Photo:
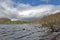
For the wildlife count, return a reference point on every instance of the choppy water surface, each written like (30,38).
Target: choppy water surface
(25,32)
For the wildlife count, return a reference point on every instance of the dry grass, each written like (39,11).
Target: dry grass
(55,18)
(50,21)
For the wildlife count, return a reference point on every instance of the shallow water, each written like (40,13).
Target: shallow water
(25,32)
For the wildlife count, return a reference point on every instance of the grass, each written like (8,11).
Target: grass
(16,22)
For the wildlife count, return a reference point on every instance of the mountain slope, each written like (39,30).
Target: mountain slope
(54,18)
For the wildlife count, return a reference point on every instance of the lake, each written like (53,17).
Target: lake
(25,32)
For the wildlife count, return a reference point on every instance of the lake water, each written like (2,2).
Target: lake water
(25,32)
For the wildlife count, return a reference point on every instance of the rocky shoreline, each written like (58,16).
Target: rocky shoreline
(55,29)
(57,37)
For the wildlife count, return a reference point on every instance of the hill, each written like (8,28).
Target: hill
(3,20)
(8,21)
(54,18)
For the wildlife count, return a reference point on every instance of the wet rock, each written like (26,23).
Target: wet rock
(23,29)
(56,29)
(57,37)
(41,39)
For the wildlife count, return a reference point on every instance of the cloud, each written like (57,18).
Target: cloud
(25,11)
(39,11)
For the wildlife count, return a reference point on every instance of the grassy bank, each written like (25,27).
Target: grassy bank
(16,22)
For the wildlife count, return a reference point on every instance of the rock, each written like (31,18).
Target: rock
(57,37)
(23,28)
(56,29)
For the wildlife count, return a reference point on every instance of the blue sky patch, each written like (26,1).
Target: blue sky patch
(37,2)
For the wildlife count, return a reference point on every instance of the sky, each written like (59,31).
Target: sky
(38,2)
(28,9)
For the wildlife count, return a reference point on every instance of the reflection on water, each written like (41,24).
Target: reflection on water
(25,32)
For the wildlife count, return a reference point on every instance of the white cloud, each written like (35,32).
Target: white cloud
(25,11)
